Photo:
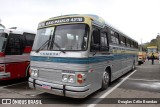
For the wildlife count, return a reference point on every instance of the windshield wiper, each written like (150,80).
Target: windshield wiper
(50,43)
(59,47)
(43,46)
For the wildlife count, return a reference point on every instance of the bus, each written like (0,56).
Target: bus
(154,50)
(15,47)
(75,55)
(141,55)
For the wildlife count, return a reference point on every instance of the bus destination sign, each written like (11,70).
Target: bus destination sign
(62,20)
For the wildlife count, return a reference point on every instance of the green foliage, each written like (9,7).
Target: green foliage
(153,42)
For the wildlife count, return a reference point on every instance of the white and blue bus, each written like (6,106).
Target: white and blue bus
(75,55)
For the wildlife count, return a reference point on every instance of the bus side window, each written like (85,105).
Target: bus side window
(14,45)
(29,39)
(5,41)
(104,42)
(114,37)
(95,43)
(123,40)
(132,44)
(128,42)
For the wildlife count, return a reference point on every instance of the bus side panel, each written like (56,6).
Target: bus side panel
(17,70)
(96,76)
(98,64)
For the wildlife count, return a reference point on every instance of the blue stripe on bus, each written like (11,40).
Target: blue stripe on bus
(60,60)
(94,59)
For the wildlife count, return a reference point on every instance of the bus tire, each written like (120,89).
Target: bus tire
(27,71)
(105,80)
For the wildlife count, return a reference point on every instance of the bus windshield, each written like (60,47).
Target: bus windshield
(2,42)
(63,37)
(152,50)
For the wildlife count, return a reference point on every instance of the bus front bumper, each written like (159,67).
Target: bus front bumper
(59,89)
(4,75)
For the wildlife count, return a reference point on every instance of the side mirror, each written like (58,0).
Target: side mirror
(95,47)
(96,40)
(96,37)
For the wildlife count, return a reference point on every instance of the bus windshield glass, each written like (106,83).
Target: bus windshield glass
(43,35)
(63,37)
(3,40)
(152,50)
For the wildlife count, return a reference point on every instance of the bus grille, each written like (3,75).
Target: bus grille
(54,75)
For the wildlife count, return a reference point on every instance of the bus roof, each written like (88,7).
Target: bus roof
(152,47)
(17,30)
(96,21)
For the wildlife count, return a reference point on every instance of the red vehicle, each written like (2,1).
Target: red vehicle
(15,47)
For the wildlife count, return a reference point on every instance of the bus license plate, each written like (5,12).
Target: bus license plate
(46,87)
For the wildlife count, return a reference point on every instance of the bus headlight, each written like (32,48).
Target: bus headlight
(66,77)
(34,72)
(71,78)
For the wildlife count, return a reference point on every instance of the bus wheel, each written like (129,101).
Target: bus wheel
(105,80)
(28,72)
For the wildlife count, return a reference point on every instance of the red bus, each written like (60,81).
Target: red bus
(15,47)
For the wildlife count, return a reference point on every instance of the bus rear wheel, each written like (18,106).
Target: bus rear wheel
(105,80)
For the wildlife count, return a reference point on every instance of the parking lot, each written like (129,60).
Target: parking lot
(144,82)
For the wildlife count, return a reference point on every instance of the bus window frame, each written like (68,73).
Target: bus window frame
(50,47)
(115,36)
(12,35)
(4,46)
(107,40)
(99,47)
(128,42)
(25,41)
(123,37)
(93,46)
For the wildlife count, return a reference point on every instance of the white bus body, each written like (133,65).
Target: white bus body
(75,55)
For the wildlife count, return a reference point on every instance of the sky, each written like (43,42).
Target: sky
(139,19)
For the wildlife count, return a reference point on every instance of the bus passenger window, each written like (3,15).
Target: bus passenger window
(132,44)
(14,45)
(123,40)
(29,38)
(104,42)
(114,37)
(128,43)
